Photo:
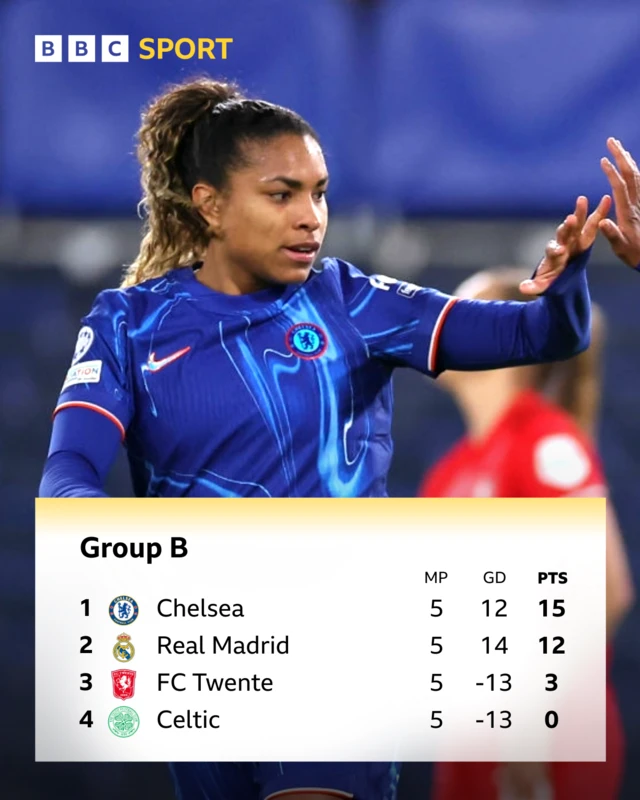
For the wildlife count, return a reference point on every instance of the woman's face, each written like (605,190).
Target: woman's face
(272,217)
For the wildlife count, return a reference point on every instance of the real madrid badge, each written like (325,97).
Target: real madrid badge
(123,649)
(123,610)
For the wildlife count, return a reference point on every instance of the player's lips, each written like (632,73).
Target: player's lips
(304,252)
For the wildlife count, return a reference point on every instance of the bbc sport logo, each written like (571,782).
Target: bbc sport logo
(82,48)
(116,48)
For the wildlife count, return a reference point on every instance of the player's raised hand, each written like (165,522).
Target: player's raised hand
(575,235)
(624,177)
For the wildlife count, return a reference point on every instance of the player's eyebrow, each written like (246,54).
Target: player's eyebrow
(292,183)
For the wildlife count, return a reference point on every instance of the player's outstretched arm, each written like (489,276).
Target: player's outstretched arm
(83,447)
(479,335)
(623,234)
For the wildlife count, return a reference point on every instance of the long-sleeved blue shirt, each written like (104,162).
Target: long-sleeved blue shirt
(283,393)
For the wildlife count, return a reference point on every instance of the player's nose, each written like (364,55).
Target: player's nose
(311,216)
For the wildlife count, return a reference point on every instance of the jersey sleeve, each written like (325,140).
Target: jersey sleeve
(399,321)
(557,462)
(98,378)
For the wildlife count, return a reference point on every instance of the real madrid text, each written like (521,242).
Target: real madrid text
(114,49)
(92,547)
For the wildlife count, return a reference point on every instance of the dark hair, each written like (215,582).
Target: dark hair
(194,131)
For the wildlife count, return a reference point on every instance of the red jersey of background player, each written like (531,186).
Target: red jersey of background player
(535,450)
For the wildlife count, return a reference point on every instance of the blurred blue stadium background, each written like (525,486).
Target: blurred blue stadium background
(456,134)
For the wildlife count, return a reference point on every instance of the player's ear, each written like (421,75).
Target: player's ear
(208,202)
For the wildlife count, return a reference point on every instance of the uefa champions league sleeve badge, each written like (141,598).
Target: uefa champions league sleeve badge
(123,610)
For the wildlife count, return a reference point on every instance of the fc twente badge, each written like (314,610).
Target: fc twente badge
(124,683)
(123,649)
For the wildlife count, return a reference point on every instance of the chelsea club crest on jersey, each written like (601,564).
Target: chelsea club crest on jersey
(123,610)
(306,340)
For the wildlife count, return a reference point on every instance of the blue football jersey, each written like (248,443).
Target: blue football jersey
(282,393)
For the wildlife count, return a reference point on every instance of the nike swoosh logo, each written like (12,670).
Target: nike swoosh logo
(155,366)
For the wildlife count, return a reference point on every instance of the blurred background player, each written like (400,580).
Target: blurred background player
(231,366)
(530,433)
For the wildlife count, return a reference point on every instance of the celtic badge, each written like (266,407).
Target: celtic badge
(123,722)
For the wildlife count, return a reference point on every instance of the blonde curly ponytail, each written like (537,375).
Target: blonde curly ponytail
(174,232)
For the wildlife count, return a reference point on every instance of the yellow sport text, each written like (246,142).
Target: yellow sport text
(184,48)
